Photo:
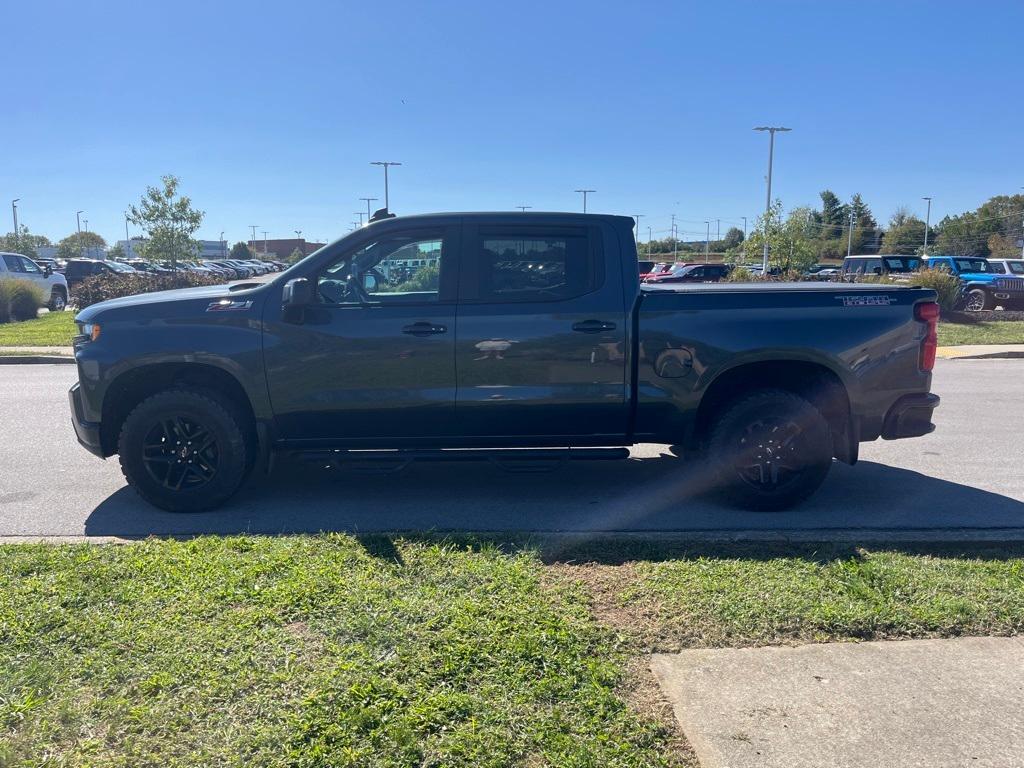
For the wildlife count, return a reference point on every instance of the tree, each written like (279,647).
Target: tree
(117,252)
(296,256)
(169,221)
(1003,247)
(732,238)
(789,243)
(24,243)
(905,234)
(963,235)
(240,251)
(81,245)
(833,215)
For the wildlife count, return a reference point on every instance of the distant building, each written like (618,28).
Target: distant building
(282,249)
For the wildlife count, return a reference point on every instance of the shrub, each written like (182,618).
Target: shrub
(99,288)
(740,275)
(19,300)
(947,285)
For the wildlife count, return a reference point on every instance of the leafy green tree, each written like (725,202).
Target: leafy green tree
(905,234)
(296,256)
(733,237)
(81,244)
(1003,247)
(170,223)
(240,251)
(24,243)
(833,215)
(117,252)
(790,244)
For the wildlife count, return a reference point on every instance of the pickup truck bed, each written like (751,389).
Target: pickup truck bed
(499,331)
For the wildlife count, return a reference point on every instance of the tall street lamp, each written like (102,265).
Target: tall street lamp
(386,164)
(253,241)
(927,222)
(14,211)
(223,245)
(585,193)
(89,251)
(707,240)
(638,216)
(360,215)
(265,244)
(127,240)
(78,221)
(523,207)
(298,236)
(768,198)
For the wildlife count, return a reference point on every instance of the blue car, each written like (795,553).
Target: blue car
(984,287)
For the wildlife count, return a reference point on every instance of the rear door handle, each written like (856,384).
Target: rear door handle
(593,326)
(424,329)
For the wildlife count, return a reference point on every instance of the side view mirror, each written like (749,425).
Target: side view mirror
(297,293)
(369,283)
(47,270)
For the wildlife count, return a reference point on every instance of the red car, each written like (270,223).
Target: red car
(661,268)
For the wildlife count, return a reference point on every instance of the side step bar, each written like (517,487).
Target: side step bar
(510,459)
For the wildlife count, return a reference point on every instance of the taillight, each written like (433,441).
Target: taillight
(928,312)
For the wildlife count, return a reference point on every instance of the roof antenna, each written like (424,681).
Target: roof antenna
(380,214)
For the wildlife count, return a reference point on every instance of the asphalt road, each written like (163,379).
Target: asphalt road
(963,481)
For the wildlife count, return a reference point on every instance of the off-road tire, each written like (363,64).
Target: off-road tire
(770,451)
(198,412)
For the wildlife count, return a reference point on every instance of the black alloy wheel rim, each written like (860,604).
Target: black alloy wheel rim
(180,453)
(975,303)
(772,454)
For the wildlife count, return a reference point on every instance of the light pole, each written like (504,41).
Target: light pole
(253,241)
(638,216)
(127,240)
(744,228)
(927,222)
(78,221)
(707,240)
(298,236)
(718,230)
(386,164)
(675,240)
(849,237)
(14,211)
(650,235)
(360,215)
(523,207)
(368,201)
(585,193)
(265,243)
(768,198)
(89,251)
(223,246)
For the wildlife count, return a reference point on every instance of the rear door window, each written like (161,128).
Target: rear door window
(13,263)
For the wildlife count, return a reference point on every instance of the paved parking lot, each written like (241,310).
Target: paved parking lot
(963,481)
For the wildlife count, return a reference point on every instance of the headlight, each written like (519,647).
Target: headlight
(89,331)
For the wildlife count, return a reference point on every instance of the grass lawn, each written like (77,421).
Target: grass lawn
(54,329)
(987,332)
(333,651)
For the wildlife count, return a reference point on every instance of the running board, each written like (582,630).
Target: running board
(387,461)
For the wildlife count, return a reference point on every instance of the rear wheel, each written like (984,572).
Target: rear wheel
(770,451)
(184,451)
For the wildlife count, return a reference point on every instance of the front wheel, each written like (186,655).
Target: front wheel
(770,451)
(978,299)
(58,300)
(184,451)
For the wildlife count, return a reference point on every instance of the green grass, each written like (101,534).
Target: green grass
(987,332)
(54,329)
(734,602)
(305,651)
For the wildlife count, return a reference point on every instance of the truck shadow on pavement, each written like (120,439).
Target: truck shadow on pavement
(653,494)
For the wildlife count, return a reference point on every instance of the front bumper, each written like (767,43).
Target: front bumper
(87,432)
(910,416)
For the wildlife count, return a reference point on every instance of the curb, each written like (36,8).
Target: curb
(36,360)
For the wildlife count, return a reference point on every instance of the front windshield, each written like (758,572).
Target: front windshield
(972,265)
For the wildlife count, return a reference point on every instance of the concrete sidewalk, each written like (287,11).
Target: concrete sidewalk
(980,351)
(927,703)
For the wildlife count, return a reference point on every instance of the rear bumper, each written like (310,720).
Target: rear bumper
(910,416)
(87,432)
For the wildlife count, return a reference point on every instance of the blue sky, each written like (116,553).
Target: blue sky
(270,113)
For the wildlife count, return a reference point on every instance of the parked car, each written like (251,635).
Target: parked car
(532,333)
(984,288)
(645,268)
(53,284)
(692,273)
(882,264)
(78,269)
(1006,266)
(140,265)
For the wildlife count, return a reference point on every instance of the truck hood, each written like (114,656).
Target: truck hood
(209,292)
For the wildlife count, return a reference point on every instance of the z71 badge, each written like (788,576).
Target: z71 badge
(867,300)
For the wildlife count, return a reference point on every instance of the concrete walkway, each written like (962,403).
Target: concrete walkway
(62,351)
(981,351)
(927,703)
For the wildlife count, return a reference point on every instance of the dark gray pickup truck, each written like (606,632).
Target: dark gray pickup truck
(429,334)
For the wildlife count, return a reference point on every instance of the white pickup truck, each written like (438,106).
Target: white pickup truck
(53,284)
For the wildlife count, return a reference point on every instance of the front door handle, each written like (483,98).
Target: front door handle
(424,329)
(593,326)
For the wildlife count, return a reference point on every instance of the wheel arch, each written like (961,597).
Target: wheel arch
(133,386)
(811,379)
